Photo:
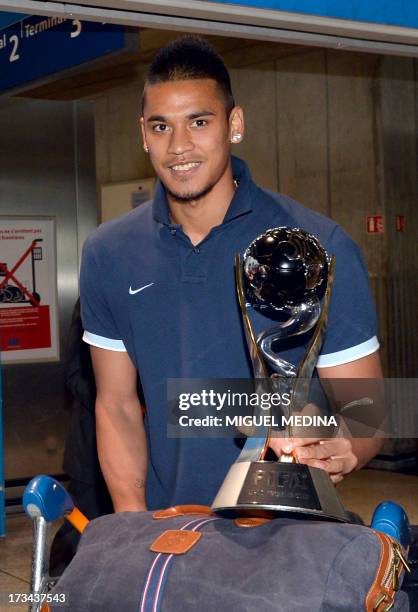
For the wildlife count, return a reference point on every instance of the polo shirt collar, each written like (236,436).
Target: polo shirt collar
(240,204)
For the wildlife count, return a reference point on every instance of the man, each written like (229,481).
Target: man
(158,292)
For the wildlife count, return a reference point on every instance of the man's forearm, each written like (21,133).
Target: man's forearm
(365,449)
(122,450)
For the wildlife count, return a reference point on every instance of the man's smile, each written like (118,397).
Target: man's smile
(184,168)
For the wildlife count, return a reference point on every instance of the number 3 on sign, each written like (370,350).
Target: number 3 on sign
(14,56)
(77,31)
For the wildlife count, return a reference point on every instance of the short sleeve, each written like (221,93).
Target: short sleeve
(352,325)
(99,326)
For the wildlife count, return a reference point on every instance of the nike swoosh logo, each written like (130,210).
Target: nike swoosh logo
(133,291)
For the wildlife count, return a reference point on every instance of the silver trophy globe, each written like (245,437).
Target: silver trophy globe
(284,274)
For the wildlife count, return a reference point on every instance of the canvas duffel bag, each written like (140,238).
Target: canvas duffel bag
(183,559)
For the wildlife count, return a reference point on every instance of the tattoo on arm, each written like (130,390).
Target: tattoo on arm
(140,483)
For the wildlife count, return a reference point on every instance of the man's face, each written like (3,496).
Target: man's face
(187,132)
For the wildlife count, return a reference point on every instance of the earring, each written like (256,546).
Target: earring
(236,137)
(146,148)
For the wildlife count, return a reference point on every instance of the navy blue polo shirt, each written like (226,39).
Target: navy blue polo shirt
(172,306)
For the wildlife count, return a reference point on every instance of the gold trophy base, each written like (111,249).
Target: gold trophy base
(266,488)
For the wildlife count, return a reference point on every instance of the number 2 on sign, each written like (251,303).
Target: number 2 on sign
(14,56)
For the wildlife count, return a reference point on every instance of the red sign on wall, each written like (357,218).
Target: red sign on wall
(25,328)
(28,290)
(375,224)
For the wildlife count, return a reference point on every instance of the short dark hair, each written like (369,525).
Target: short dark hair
(186,58)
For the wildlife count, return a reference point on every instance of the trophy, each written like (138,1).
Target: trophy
(284,274)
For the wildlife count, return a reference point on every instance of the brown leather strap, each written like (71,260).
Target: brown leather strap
(181,511)
(382,593)
(175,541)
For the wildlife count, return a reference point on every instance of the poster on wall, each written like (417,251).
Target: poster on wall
(28,290)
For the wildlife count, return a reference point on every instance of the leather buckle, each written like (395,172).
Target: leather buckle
(175,541)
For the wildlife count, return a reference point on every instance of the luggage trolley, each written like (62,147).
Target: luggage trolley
(17,292)
(46,500)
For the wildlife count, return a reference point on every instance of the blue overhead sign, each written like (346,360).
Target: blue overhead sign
(402,13)
(37,47)
(7,19)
